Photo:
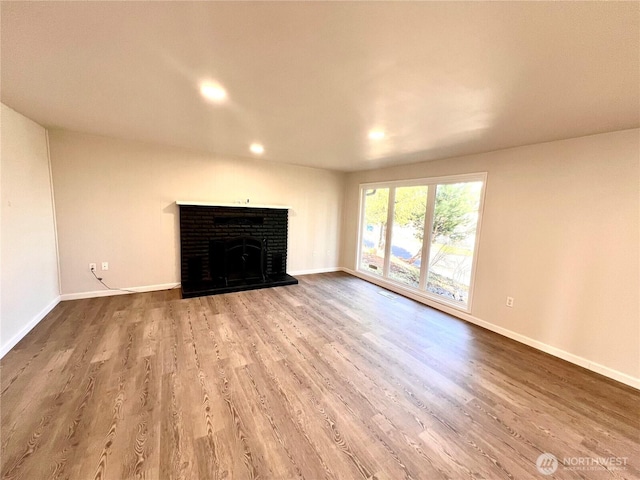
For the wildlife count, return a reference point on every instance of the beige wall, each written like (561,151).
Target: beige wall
(115,202)
(29,275)
(560,231)
(559,234)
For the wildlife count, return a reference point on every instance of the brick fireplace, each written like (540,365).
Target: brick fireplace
(230,248)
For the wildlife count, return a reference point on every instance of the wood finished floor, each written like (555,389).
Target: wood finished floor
(326,379)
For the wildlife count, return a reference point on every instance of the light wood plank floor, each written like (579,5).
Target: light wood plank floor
(326,379)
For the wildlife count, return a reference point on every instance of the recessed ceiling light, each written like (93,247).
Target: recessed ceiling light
(256,148)
(376,134)
(213,92)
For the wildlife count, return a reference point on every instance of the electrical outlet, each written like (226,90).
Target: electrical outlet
(105,265)
(92,267)
(509,301)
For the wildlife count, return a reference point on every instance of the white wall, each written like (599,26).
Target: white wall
(115,202)
(559,234)
(29,275)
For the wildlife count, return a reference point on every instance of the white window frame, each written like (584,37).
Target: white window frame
(431,183)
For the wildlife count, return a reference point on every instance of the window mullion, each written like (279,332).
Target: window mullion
(426,237)
(387,239)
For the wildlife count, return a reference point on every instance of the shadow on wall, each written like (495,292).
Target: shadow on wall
(172,209)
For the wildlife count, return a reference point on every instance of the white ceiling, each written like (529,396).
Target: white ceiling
(310,80)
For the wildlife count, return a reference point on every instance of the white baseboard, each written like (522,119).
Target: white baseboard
(551,350)
(316,270)
(28,327)
(167,286)
(110,293)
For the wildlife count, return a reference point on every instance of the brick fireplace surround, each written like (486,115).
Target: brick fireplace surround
(206,228)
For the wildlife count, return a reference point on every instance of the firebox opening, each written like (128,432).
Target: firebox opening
(237,260)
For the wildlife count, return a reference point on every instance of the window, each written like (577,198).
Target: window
(422,235)
(407,234)
(374,236)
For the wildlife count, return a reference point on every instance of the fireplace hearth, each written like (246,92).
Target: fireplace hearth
(228,248)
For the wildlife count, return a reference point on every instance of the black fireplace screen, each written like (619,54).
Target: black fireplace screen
(238,259)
